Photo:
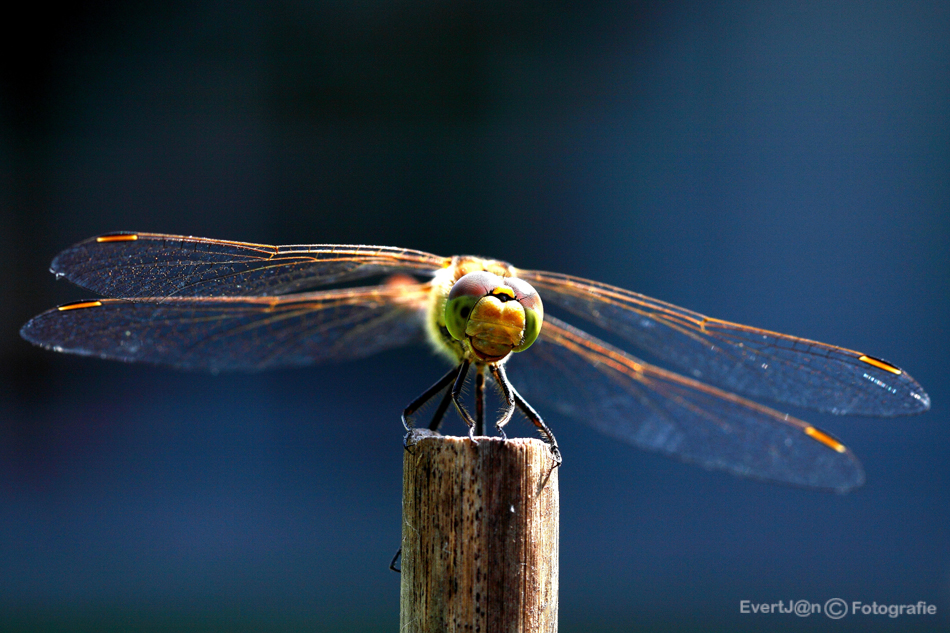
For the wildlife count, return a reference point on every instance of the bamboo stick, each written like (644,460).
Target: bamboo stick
(480,536)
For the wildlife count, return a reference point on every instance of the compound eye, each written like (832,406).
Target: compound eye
(533,311)
(463,297)
(532,328)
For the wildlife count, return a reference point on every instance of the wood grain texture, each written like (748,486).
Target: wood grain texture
(480,536)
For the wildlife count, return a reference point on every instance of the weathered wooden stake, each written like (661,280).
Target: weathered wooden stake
(479,536)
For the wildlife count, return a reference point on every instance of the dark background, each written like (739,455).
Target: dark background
(778,164)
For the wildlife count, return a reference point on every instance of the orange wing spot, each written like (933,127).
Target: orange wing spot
(875,362)
(825,439)
(79,305)
(400,280)
(117,238)
(504,290)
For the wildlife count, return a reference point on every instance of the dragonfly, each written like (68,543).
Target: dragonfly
(214,305)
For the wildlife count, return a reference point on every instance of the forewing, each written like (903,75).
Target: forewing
(574,374)
(153,267)
(243,334)
(739,358)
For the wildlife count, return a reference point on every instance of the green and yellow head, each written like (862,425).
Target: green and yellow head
(496,315)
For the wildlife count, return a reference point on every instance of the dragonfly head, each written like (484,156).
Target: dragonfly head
(496,315)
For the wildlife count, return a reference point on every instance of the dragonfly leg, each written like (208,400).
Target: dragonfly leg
(479,400)
(440,412)
(501,379)
(457,396)
(419,402)
(532,415)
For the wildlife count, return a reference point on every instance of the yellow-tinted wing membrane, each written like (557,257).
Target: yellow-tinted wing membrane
(739,358)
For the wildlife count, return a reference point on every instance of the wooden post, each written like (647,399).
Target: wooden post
(479,536)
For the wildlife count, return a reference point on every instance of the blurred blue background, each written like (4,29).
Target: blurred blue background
(785,165)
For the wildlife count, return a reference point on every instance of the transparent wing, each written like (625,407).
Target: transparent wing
(579,376)
(244,333)
(744,359)
(152,267)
